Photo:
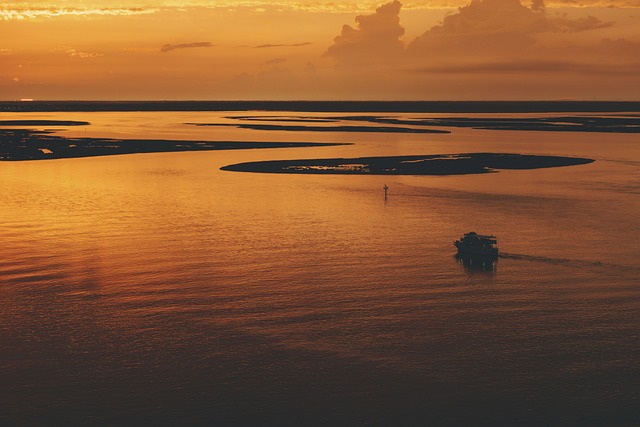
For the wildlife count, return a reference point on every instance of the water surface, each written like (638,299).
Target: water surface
(158,288)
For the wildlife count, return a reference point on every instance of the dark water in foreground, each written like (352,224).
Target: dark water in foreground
(158,289)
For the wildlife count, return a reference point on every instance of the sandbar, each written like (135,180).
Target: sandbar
(435,164)
(42,123)
(24,144)
(299,128)
(606,124)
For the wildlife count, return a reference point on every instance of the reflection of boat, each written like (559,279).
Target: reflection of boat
(474,244)
(477,263)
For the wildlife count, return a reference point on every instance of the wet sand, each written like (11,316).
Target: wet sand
(612,124)
(42,123)
(24,144)
(440,164)
(299,128)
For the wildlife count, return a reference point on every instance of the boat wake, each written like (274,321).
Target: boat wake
(575,263)
(549,260)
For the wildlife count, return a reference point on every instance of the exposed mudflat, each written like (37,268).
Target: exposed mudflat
(24,144)
(307,128)
(439,164)
(567,123)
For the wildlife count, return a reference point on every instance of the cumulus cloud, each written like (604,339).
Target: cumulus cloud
(169,47)
(485,27)
(375,39)
(498,27)
(515,48)
(581,24)
(489,16)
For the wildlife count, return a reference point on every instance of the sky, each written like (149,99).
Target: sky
(347,50)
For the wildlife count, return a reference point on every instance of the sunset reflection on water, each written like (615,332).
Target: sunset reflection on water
(157,287)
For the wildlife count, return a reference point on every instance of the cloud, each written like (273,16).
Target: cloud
(489,16)
(581,24)
(485,27)
(595,3)
(493,49)
(534,66)
(266,46)
(42,9)
(375,38)
(274,61)
(620,47)
(501,27)
(16,10)
(537,5)
(169,47)
(79,54)
(20,14)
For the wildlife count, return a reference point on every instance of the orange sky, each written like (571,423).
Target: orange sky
(430,50)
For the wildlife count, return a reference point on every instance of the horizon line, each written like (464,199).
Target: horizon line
(29,100)
(328,106)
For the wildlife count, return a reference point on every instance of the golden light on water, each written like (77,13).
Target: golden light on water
(160,288)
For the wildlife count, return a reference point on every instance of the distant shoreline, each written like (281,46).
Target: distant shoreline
(328,106)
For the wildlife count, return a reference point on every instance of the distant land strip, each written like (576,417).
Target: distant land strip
(308,128)
(437,164)
(328,106)
(42,123)
(586,123)
(22,144)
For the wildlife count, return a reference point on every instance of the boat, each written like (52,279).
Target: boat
(474,244)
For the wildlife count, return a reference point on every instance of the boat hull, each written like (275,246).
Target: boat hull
(476,250)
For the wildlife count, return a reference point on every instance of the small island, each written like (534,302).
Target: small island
(435,164)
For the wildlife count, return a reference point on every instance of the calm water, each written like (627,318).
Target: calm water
(158,289)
